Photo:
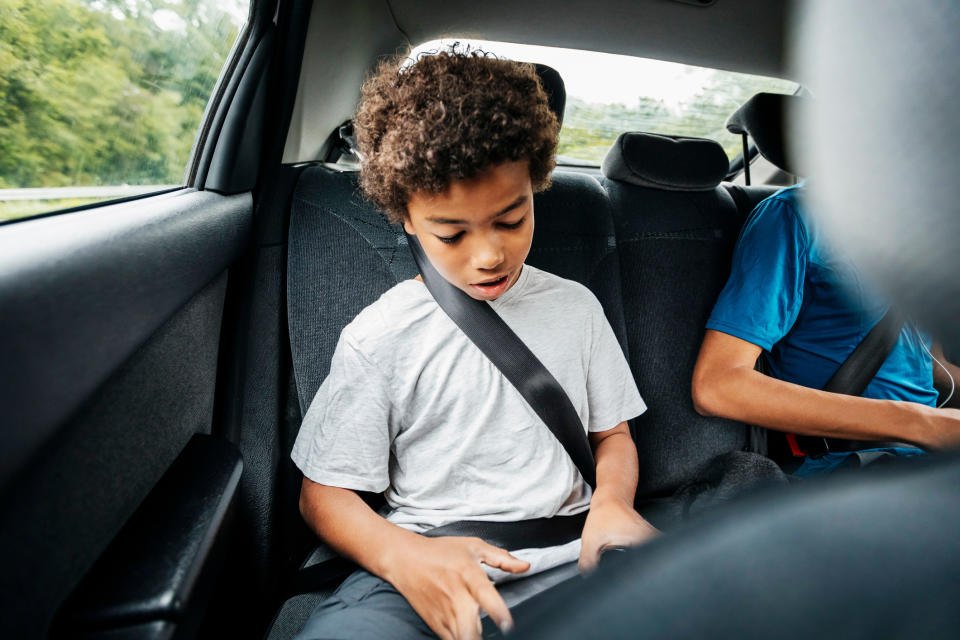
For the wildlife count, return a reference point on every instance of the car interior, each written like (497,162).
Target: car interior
(158,354)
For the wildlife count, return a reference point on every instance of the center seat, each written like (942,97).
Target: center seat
(676,228)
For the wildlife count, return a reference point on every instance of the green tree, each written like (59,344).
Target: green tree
(95,93)
(590,129)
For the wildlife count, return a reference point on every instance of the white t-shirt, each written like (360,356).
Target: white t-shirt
(413,408)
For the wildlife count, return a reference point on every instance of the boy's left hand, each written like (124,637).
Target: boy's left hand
(611,524)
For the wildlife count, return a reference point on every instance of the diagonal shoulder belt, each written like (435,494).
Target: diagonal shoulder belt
(486,329)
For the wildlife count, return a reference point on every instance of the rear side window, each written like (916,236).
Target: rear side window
(102,99)
(608,94)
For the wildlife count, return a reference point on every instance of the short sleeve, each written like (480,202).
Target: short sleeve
(344,440)
(763,295)
(611,390)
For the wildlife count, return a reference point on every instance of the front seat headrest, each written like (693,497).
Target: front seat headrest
(672,163)
(555,89)
(763,117)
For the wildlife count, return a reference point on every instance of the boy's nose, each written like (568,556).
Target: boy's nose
(488,254)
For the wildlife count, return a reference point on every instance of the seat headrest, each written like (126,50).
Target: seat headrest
(763,118)
(672,163)
(556,90)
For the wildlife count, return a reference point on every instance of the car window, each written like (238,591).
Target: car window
(608,94)
(101,99)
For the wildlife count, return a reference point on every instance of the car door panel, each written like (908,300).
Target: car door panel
(82,291)
(135,582)
(111,322)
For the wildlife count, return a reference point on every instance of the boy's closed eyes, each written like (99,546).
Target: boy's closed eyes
(491,216)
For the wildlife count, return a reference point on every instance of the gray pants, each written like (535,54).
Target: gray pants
(362,607)
(365,606)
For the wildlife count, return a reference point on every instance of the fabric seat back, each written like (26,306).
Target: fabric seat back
(676,228)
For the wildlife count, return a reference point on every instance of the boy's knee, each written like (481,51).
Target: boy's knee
(364,606)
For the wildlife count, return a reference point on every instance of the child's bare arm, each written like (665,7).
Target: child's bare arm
(441,578)
(725,384)
(612,521)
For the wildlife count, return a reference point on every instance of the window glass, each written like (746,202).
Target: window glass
(101,99)
(608,94)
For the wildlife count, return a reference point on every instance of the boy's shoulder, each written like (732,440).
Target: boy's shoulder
(390,315)
(545,287)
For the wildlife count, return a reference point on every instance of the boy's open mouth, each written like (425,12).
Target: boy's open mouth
(491,289)
(492,283)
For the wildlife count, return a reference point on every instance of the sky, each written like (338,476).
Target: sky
(600,77)
(236,10)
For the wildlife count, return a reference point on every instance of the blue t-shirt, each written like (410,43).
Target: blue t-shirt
(808,308)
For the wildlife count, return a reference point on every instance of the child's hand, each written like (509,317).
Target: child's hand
(443,581)
(611,524)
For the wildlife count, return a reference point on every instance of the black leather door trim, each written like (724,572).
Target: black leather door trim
(80,292)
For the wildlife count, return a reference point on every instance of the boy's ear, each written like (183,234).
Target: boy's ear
(407,226)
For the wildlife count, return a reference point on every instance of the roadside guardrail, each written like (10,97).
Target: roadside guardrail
(61,193)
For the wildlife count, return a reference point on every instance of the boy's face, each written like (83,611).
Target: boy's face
(477,232)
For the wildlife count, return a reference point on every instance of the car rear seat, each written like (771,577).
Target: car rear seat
(343,255)
(654,255)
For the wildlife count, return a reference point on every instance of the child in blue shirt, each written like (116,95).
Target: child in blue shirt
(795,300)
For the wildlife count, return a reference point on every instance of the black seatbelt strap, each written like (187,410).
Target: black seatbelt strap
(746,159)
(740,198)
(860,367)
(852,378)
(487,330)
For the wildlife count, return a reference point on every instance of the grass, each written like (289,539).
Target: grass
(15,209)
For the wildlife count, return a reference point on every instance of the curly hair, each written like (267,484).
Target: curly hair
(449,116)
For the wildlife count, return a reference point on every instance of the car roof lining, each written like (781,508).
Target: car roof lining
(745,36)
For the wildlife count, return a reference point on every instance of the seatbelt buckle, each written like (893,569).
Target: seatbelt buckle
(808,446)
(795,446)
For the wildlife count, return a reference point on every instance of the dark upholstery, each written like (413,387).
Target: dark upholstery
(555,88)
(675,250)
(749,197)
(342,255)
(763,117)
(673,163)
(293,615)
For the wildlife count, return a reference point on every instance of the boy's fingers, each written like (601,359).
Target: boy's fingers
(468,619)
(496,557)
(589,558)
(490,601)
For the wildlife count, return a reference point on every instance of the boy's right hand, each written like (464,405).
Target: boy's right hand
(443,581)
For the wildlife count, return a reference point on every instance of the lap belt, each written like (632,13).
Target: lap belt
(525,534)
(852,378)
(329,568)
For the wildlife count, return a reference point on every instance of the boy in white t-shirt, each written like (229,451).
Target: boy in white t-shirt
(454,147)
